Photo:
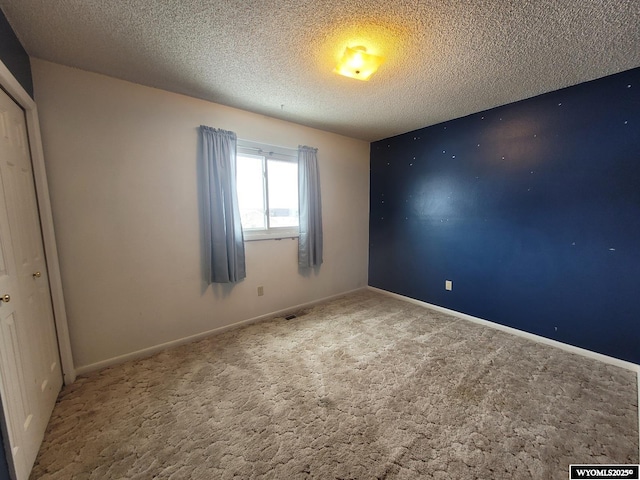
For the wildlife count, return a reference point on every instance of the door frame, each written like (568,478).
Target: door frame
(22,98)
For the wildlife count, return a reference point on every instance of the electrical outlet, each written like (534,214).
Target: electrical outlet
(260,291)
(448,285)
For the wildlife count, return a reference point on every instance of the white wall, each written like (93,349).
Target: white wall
(121,162)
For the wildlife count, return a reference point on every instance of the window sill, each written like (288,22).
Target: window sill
(256,237)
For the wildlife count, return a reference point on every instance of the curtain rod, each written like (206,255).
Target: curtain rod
(269,153)
(263,148)
(253,142)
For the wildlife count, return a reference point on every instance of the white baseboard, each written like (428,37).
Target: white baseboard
(514,331)
(147,352)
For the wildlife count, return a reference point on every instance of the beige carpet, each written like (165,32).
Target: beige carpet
(361,387)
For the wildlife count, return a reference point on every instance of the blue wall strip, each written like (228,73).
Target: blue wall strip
(14,56)
(531,209)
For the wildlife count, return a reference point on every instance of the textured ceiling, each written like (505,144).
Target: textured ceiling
(445,58)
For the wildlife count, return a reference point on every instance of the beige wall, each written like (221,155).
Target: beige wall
(121,163)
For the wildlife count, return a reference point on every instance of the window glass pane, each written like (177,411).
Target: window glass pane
(251,192)
(283,193)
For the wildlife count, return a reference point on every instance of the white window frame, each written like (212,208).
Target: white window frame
(268,152)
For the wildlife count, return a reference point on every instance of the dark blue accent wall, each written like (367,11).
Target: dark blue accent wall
(4,466)
(14,56)
(532,210)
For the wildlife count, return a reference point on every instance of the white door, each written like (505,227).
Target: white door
(30,375)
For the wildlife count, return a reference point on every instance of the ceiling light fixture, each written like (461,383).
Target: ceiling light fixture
(357,63)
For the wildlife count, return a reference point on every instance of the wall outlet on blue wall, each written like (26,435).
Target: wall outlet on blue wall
(448,285)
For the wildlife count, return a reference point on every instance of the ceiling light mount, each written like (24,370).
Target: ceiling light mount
(357,63)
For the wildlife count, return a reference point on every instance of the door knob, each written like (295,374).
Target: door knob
(37,275)
(5,298)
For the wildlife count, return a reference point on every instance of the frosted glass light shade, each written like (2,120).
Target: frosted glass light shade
(357,63)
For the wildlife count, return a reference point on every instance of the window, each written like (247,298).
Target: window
(267,183)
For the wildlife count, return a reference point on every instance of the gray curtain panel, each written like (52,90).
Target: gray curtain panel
(224,242)
(310,208)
